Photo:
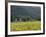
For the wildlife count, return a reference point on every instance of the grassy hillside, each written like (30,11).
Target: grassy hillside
(21,26)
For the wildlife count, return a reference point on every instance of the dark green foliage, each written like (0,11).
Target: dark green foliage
(37,18)
(25,18)
(13,18)
(29,18)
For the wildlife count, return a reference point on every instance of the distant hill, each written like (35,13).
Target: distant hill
(25,11)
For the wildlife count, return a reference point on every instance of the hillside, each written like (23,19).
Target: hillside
(25,11)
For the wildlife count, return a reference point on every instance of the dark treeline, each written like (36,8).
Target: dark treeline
(24,18)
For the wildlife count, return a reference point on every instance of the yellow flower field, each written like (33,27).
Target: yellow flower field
(22,26)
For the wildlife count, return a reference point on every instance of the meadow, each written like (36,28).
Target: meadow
(22,26)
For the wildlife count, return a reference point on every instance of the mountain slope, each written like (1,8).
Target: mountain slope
(25,11)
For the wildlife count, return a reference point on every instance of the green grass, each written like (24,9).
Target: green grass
(21,26)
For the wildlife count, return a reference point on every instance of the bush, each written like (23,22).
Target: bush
(13,18)
(37,18)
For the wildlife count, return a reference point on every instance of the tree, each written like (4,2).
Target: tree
(26,18)
(13,18)
(23,18)
(37,18)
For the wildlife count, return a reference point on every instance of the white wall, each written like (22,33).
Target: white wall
(2,17)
